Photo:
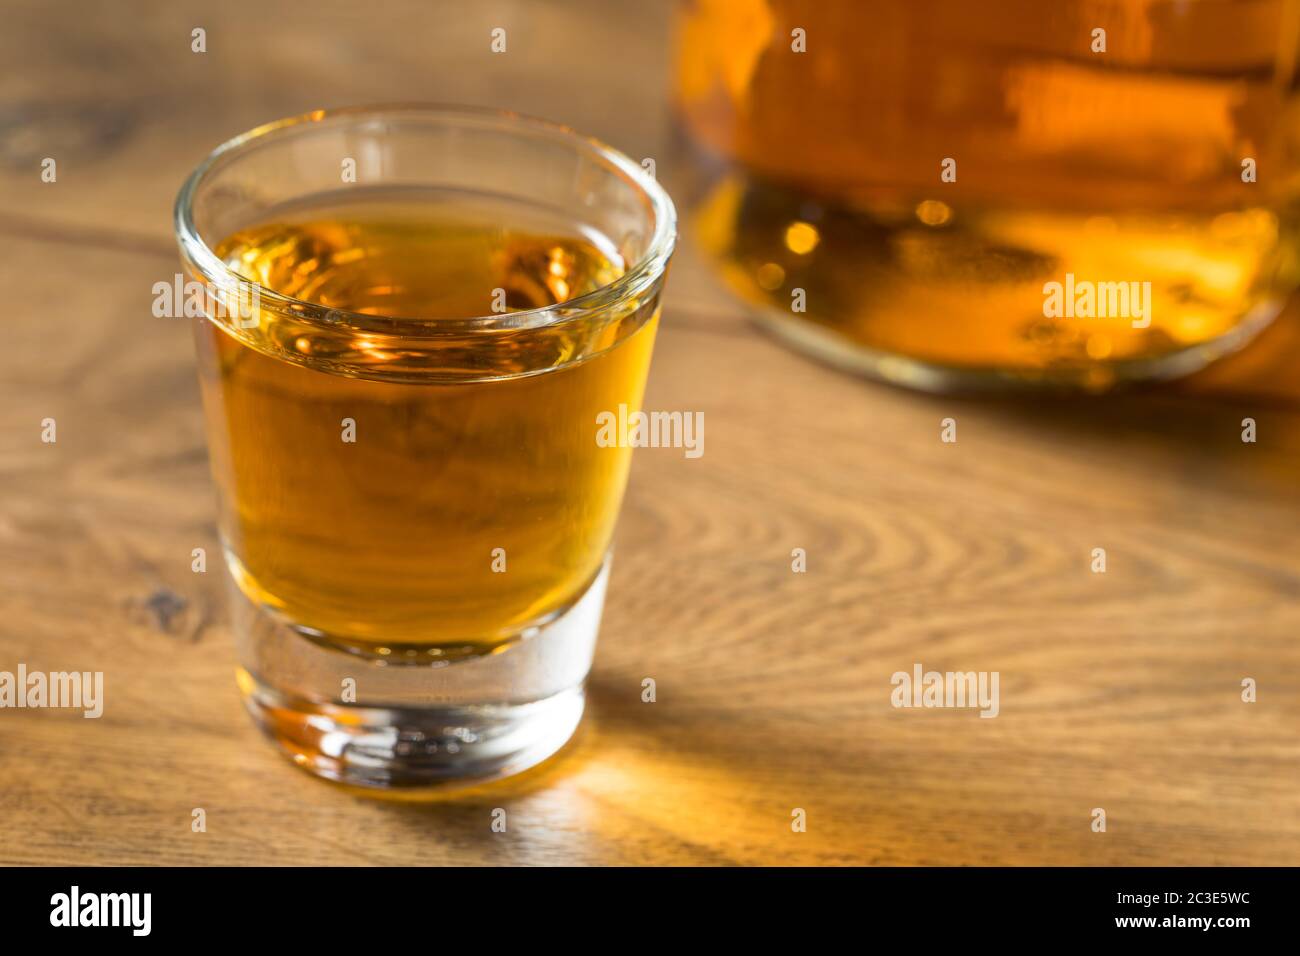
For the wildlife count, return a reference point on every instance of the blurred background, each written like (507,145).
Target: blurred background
(1119,690)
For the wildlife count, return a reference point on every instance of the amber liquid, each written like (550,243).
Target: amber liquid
(1122,166)
(474,501)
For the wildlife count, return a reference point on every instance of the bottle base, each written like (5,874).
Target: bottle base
(953,296)
(909,372)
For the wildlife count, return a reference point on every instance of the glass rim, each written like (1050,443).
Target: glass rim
(634,281)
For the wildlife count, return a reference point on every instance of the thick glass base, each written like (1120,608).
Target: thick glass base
(400,726)
(411,747)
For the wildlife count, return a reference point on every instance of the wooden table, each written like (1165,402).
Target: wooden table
(1118,690)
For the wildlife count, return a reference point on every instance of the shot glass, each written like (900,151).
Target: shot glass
(413,318)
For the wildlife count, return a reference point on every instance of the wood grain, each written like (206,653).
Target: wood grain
(1119,691)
